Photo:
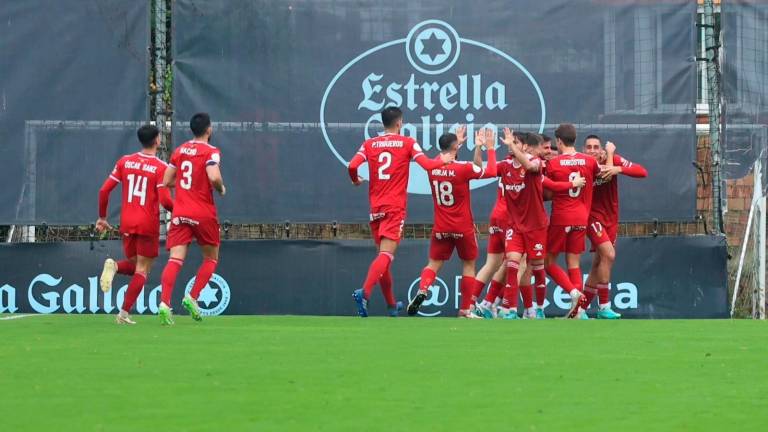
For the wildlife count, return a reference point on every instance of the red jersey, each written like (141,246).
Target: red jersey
(141,175)
(389,158)
(571,207)
(451,197)
(499,211)
(605,201)
(524,195)
(194,193)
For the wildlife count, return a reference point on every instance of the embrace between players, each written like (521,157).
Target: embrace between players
(523,243)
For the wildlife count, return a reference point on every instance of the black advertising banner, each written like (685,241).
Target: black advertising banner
(664,277)
(295,87)
(73,89)
(745,83)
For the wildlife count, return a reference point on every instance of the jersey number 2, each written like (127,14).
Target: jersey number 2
(385,160)
(186,175)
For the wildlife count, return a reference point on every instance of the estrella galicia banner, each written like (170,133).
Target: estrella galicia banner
(296,87)
(73,91)
(664,277)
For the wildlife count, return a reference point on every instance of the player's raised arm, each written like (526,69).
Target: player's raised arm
(519,154)
(616,165)
(488,142)
(429,164)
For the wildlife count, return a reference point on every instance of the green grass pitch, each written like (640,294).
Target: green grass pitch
(83,373)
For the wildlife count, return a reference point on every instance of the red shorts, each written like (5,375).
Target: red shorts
(442,244)
(531,243)
(183,230)
(566,239)
(137,244)
(497,231)
(599,234)
(387,222)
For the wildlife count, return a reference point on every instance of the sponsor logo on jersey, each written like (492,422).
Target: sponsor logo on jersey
(420,73)
(448,235)
(514,187)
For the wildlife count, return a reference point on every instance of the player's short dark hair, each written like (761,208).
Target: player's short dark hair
(390,116)
(147,135)
(446,141)
(567,133)
(200,123)
(592,136)
(533,140)
(520,135)
(545,138)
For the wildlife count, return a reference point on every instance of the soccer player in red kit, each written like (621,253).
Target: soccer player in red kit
(388,158)
(604,221)
(141,175)
(494,269)
(194,172)
(570,213)
(454,226)
(524,184)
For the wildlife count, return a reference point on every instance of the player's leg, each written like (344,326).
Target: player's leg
(526,288)
(125,267)
(168,280)
(590,285)
(607,256)
(511,289)
(138,280)
(440,250)
(393,306)
(387,233)
(467,250)
(210,254)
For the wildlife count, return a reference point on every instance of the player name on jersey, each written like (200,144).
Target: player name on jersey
(140,166)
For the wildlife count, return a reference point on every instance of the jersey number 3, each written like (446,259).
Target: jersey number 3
(186,175)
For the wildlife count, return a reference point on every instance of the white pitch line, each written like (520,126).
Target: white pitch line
(13,317)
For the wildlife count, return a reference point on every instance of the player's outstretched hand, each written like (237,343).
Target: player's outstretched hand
(490,138)
(102,225)
(447,157)
(223,190)
(480,138)
(578,182)
(461,134)
(610,147)
(509,136)
(359,181)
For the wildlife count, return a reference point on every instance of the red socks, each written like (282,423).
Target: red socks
(378,267)
(494,291)
(478,290)
(540,279)
(204,274)
(589,292)
(560,277)
(467,288)
(512,290)
(168,279)
(126,267)
(527,292)
(603,293)
(427,277)
(574,275)
(386,288)
(134,289)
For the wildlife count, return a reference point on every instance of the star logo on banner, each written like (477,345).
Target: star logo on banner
(433,46)
(208,295)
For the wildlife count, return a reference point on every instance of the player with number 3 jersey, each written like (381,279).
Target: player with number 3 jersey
(194,172)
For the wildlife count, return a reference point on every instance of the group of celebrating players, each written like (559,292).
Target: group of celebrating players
(524,242)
